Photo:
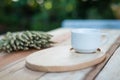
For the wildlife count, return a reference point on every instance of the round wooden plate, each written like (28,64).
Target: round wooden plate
(58,59)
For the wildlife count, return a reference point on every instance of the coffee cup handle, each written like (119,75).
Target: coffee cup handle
(106,38)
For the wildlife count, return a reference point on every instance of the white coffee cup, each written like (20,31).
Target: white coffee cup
(87,40)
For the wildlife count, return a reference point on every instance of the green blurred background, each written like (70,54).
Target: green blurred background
(45,15)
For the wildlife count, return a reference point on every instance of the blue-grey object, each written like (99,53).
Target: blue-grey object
(91,24)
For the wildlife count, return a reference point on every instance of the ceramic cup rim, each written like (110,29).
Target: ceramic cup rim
(86,31)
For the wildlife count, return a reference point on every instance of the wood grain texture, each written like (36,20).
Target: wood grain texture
(60,58)
(7,71)
(16,70)
(98,68)
(111,71)
(26,75)
(73,75)
(9,58)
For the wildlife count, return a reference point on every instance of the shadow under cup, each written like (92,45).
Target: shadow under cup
(86,40)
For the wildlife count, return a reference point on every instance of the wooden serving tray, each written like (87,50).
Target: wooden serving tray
(60,58)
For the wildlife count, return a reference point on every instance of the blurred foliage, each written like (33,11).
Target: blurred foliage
(16,15)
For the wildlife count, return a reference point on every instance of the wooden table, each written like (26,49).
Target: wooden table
(12,66)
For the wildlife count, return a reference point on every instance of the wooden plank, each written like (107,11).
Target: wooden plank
(111,71)
(73,75)
(17,73)
(12,69)
(92,75)
(26,75)
(8,58)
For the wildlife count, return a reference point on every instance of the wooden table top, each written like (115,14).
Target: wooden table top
(12,66)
